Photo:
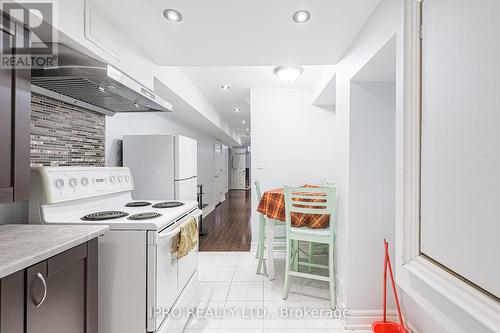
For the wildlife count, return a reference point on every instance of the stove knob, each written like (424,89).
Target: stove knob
(120,178)
(73,182)
(127,178)
(112,179)
(59,183)
(85,181)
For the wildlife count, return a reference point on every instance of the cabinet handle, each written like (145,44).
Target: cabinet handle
(41,278)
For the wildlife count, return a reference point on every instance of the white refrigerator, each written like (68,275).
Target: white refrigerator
(164,167)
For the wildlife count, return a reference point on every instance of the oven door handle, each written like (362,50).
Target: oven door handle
(170,234)
(178,229)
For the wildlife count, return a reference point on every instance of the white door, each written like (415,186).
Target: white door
(237,169)
(219,184)
(460,166)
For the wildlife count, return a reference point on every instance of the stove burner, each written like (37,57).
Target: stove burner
(144,216)
(168,204)
(138,204)
(107,215)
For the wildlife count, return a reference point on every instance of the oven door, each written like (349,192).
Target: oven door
(187,265)
(163,272)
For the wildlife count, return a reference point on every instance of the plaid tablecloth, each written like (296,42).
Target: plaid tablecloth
(272,205)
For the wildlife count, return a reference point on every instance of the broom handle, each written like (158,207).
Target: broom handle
(394,289)
(385,280)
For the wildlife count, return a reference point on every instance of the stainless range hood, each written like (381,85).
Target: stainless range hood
(82,80)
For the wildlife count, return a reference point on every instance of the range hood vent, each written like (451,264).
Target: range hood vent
(84,81)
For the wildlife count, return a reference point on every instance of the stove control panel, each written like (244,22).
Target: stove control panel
(58,184)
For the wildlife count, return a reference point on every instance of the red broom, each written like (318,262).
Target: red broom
(387,326)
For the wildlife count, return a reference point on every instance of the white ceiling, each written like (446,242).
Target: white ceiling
(241,79)
(240,32)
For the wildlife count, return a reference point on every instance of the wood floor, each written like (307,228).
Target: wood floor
(228,226)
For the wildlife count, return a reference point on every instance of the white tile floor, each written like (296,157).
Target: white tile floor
(230,290)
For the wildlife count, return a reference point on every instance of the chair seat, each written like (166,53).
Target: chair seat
(311,232)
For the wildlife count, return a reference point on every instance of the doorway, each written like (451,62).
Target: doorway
(371,174)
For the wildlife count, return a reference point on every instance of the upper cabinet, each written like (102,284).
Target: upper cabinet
(15,112)
(100,31)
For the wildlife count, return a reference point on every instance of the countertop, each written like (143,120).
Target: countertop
(23,245)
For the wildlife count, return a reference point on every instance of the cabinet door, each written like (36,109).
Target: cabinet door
(21,125)
(15,112)
(56,293)
(12,303)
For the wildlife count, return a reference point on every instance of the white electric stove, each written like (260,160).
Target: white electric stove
(141,283)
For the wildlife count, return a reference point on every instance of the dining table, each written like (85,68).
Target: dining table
(272,206)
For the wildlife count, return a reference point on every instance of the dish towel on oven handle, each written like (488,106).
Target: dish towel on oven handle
(187,239)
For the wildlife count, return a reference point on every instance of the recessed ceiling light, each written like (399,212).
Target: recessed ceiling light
(172,15)
(236,109)
(301,16)
(243,122)
(288,73)
(225,87)
(248,129)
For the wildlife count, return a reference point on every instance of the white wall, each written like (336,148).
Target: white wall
(162,123)
(425,310)
(371,196)
(292,141)
(385,23)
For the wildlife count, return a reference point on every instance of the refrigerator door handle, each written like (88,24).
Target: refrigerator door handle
(179,180)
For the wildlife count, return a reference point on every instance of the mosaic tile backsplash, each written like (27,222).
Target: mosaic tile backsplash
(63,134)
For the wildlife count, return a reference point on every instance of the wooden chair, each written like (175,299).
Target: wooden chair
(296,201)
(266,224)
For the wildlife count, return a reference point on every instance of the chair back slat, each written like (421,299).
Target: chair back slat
(306,197)
(310,200)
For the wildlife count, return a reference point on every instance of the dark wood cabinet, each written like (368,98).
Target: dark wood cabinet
(12,303)
(57,295)
(15,113)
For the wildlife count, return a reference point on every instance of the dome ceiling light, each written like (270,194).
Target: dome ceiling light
(301,16)
(288,73)
(172,15)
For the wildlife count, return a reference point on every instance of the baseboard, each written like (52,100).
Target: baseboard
(207,210)
(363,319)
